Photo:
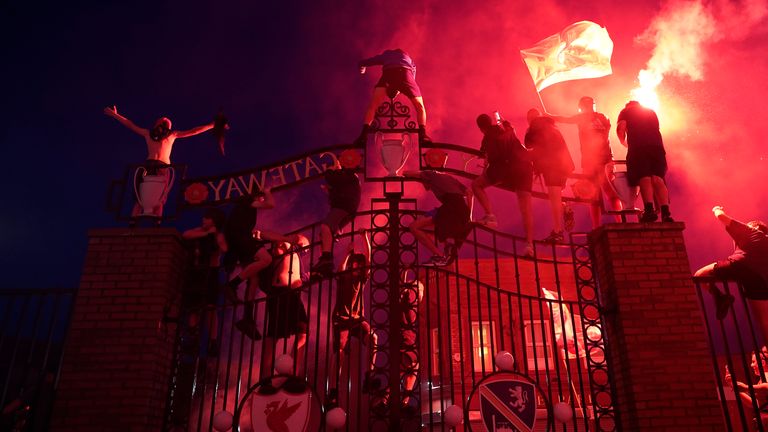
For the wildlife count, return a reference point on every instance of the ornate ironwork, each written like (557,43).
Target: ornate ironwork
(394,116)
(600,381)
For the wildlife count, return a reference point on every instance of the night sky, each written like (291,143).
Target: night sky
(286,75)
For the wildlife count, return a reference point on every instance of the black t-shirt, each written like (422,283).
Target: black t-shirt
(501,147)
(343,189)
(548,148)
(204,250)
(751,247)
(642,127)
(349,298)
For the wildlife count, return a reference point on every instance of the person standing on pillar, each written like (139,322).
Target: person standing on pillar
(509,166)
(596,156)
(398,75)
(638,131)
(343,188)
(553,161)
(748,265)
(160,140)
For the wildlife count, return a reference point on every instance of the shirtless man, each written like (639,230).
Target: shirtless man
(159,141)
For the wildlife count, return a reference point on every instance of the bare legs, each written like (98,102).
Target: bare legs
(417,228)
(555,194)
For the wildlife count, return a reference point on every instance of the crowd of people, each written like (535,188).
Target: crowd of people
(271,262)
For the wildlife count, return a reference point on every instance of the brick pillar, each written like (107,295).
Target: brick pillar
(117,359)
(657,341)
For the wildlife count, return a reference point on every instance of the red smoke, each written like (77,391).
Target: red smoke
(711,56)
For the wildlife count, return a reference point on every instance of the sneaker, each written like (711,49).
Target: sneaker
(438,261)
(667,219)
(723,304)
(648,216)
(528,251)
(489,220)
(248,328)
(323,267)
(569,220)
(555,237)
(451,251)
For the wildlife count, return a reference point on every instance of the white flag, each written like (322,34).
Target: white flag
(581,50)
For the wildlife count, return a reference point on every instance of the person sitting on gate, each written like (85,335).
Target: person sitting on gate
(160,140)
(451,220)
(748,265)
(286,313)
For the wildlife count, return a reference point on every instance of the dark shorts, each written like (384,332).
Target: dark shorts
(516,178)
(286,313)
(357,327)
(452,219)
(755,287)
(337,219)
(397,79)
(202,287)
(646,162)
(554,179)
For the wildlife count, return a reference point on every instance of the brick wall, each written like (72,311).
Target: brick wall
(117,358)
(656,337)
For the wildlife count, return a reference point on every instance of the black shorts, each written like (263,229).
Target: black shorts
(452,218)
(337,219)
(518,178)
(399,79)
(554,178)
(755,287)
(646,162)
(286,313)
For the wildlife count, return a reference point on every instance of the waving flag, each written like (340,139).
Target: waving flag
(581,50)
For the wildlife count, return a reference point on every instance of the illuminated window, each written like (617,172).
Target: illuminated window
(482,358)
(539,353)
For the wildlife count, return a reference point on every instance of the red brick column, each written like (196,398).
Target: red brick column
(118,355)
(656,335)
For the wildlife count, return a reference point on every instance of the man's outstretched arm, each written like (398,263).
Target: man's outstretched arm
(195,131)
(721,215)
(112,112)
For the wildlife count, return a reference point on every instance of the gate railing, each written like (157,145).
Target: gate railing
(33,327)
(739,360)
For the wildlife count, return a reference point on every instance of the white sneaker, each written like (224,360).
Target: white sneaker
(489,220)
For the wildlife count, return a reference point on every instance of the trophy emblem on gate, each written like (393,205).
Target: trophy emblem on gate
(394,151)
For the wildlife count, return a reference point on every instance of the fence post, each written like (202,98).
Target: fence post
(655,337)
(117,360)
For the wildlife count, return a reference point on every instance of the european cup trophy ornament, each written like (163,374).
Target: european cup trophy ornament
(152,190)
(394,151)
